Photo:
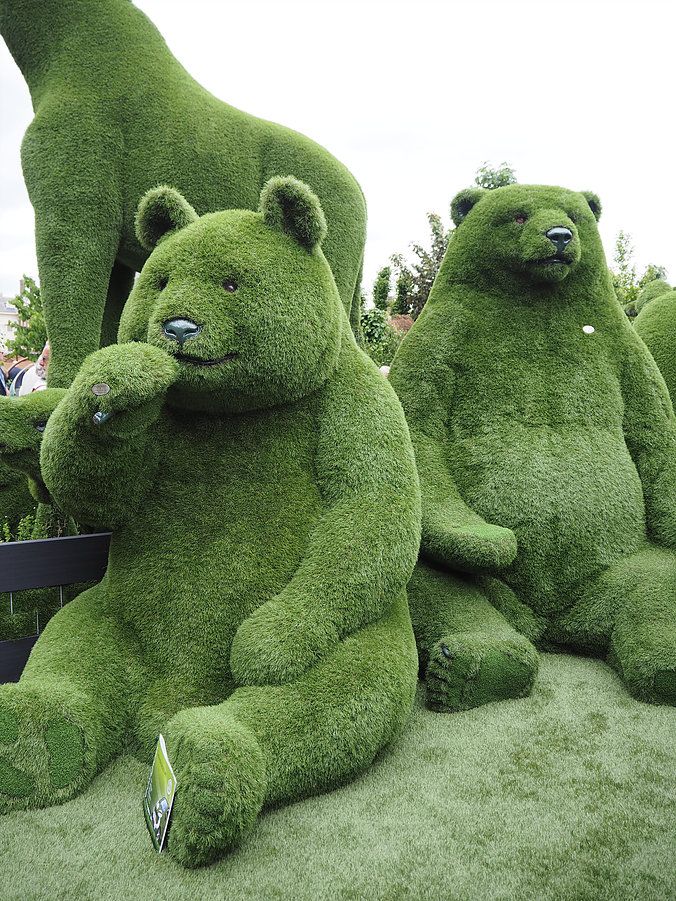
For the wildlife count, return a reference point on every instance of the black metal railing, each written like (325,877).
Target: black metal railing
(46,563)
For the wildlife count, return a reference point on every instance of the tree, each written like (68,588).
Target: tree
(626,281)
(381,288)
(490,177)
(415,278)
(30,332)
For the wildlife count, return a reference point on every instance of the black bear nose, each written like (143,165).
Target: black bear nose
(181,330)
(560,237)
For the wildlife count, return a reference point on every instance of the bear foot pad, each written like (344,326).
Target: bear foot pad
(41,759)
(466,672)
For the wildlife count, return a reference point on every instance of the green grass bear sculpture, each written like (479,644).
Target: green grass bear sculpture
(115,115)
(22,424)
(656,325)
(258,477)
(546,448)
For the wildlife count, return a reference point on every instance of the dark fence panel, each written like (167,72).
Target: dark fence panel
(13,657)
(46,563)
(53,561)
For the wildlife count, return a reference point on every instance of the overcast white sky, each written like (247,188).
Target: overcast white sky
(413,96)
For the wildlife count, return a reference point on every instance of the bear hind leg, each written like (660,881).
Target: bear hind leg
(470,654)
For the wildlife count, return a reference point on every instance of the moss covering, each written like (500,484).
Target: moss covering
(258,477)
(546,448)
(115,115)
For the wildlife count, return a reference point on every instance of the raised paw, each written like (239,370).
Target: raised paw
(468,670)
(221,784)
(42,750)
(121,386)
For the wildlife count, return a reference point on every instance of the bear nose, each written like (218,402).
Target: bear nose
(181,330)
(560,237)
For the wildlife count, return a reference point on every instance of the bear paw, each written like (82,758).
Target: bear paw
(466,671)
(221,784)
(42,759)
(277,644)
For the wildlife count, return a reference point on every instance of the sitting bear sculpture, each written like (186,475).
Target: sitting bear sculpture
(257,475)
(546,448)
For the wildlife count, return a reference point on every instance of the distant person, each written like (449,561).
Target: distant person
(31,378)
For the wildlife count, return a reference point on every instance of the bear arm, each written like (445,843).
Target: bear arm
(363,550)
(452,533)
(98,483)
(99,472)
(650,434)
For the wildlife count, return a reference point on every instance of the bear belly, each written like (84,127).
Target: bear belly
(572,496)
(230,515)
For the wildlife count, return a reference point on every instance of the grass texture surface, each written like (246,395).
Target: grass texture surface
(567,794)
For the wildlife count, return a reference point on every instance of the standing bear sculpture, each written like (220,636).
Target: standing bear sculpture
(546,448)
(258,478)
(115,115)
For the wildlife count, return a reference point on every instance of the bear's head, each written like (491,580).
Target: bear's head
(525,236)
(244,301)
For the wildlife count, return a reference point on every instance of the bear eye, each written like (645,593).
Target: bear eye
(162,282)
(40,425)
(520,218)
(230,285)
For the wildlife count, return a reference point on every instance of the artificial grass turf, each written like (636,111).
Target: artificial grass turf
(656,326)
(567,794)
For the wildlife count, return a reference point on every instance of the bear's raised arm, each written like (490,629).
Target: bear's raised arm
(97,456)
(452,533)
(650,433)
(363,549)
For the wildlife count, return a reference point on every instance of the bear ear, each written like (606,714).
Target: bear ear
(463,202)
(594,203)
(290,206)
(161,211)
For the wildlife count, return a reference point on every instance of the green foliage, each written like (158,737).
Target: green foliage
(490,177)
(628,284)
(381,288)
(381,339)
(111,126)
(416,277)
(271,643)
(22,532)
(30,332)
(546,457)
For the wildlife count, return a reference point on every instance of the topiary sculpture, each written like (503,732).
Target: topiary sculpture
(656,325)
(546,448)
(257,474)
(115,115)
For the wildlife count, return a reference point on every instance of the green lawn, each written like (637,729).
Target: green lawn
(570,794)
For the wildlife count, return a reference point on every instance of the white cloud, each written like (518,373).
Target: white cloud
(413,96)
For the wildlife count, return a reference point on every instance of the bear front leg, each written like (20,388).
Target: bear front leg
(272,744)
(96,458)
(470,655)
(67,716)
